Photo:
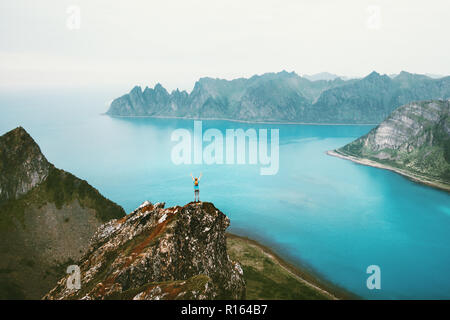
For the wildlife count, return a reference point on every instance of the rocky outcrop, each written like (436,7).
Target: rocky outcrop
(22,165)
(285,97)
(414,138)
(47,218)
(158,253)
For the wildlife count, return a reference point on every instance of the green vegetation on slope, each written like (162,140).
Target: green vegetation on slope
(414,138)
(47,217)
(265,277)
(60,188)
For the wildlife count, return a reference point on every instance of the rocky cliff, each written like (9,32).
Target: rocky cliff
(285,97)
(158,253)
(47,217)
(415,139)
(22,165)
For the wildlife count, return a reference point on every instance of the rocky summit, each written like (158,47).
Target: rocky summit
(159,253)
(22,165)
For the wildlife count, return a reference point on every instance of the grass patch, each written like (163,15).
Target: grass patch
(265,277)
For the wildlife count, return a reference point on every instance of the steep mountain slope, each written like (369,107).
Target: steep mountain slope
(364,101)
(285,97)
(414,140)
(157,253)
(47,217)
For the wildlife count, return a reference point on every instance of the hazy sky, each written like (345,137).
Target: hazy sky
(123,43)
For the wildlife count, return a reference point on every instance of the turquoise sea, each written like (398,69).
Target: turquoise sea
(329,215)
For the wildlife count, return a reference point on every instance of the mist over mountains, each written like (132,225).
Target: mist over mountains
(325,76)
(285,97)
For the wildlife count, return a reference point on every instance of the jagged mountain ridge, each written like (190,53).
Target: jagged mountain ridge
(415,138)
(285,97)
(255,98)
(158,253)
(47,217)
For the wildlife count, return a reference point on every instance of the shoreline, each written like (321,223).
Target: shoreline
(300,273)
(246,121)
(371,163)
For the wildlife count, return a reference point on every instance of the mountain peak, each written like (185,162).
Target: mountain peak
(19,131)
(22,164)
(404,75)
(373,74)
(136,89)
(159,88)
(17,135)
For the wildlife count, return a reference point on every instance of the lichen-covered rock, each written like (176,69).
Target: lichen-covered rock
(158,253)
(198,287)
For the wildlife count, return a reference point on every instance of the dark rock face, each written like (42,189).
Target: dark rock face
(22,165)
(415,137)
(157,253)
(285,97)
(47,218)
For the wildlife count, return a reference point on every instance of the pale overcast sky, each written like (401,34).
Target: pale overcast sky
(176,42)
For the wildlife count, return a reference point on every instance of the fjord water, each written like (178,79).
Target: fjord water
(331,216)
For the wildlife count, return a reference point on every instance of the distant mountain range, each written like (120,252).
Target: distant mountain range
(285,97)
(413,141)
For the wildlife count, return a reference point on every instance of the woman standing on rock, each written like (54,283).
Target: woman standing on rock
(196,188)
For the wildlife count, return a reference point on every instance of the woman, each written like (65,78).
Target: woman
(196,188)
